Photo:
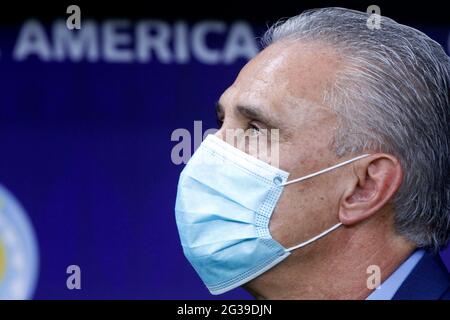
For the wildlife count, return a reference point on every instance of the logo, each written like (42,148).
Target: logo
(18,250)
(374,20)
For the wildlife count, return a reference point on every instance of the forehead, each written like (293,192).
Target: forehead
(287,70)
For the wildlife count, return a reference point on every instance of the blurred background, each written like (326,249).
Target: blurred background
(86,124)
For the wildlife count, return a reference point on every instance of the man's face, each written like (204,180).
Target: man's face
(282,88)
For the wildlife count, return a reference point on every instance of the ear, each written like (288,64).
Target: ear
(376,180)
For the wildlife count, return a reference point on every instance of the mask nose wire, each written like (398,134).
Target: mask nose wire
(324,170)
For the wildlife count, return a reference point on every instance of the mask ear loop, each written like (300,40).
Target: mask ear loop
(324,170)
(313,175)
(315,238)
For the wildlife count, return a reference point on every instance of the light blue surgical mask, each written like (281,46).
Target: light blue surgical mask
(224,203)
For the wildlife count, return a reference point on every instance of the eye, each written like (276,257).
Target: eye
(253,129)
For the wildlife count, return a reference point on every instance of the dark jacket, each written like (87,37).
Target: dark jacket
(429,280)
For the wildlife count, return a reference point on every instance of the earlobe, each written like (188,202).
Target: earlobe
(376,180)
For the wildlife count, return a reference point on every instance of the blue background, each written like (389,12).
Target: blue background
(86,149)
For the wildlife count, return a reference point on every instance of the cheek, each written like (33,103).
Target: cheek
(290,215)
(303,211)
(309,207)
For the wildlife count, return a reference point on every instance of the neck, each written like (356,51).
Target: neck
(335,267)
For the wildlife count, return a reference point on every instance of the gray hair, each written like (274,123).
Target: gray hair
(392,96)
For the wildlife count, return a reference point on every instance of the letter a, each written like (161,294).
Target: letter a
(74,20)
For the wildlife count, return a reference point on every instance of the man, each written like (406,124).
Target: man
(371,107)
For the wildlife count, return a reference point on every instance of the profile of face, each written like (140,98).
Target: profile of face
(282,88)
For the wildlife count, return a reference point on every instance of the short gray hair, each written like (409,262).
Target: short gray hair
(392,96)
